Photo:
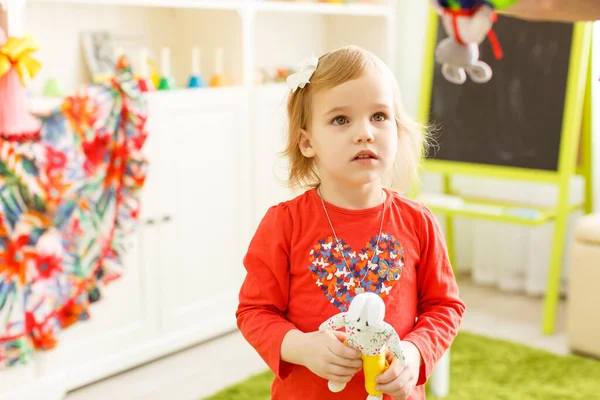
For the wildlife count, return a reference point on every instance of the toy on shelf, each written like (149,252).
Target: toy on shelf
(219,78)
(368,332)
(17,69)
(467,23)
(154,72)
(166,79)
(144,80)
(53,88)
(272,75)
(196,80)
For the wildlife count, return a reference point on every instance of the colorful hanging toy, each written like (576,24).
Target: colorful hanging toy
(467,23)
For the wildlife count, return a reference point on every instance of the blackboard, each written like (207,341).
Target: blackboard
(515,119)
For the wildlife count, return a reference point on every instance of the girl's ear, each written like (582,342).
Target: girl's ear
(305,147)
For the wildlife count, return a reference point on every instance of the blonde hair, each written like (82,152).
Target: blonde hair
(335,68)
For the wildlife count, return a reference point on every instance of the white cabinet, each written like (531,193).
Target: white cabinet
(200,170)
(253,34)
(89,350)
(183,271)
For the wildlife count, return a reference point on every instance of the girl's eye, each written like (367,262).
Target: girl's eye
(379,117)
(340,120)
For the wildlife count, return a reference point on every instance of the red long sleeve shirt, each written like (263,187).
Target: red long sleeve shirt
(296,279)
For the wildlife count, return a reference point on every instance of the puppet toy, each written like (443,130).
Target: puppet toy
(368,332)
(467,23)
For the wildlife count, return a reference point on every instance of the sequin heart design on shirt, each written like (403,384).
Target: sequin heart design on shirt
(340,282)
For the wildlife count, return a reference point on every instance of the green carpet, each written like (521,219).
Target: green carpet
(484,368)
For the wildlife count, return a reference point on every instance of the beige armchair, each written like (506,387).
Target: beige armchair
(583,313)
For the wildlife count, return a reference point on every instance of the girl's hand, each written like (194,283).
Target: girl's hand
(327,356)
(398,381)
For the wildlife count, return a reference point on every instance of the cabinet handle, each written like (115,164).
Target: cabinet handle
(166,218)
(150,221)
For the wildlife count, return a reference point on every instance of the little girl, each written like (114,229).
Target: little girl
(345,235)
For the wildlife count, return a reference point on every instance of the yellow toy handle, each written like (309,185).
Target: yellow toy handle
(373,366)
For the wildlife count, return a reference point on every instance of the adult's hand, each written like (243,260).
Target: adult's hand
(555,10)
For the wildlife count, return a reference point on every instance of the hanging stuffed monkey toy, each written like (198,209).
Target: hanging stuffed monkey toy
(467,23)
(368,332)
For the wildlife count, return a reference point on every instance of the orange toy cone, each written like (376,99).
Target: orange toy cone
(16,69)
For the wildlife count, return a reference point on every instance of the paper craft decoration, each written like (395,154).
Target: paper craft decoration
(69,202)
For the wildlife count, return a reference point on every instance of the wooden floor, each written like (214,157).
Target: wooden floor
(202,370)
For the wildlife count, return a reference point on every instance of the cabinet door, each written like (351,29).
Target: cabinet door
(270,138)
(201,175)
(93,349)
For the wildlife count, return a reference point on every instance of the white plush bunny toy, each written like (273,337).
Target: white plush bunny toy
(368,332)
(459,52)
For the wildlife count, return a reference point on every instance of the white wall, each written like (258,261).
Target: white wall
(476,249)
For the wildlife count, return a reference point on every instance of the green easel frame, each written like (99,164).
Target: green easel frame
(576,135)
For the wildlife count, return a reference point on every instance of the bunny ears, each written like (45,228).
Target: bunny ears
(302,77)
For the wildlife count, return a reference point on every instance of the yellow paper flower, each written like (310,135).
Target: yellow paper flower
(15,53)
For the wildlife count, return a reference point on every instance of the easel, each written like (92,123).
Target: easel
(575,135)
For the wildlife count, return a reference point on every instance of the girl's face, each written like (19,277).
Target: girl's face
(353,135)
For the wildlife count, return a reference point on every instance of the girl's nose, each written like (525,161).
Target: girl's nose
(364,133)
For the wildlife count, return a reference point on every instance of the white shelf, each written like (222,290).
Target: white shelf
(199,4)
(245,29)
(358,9)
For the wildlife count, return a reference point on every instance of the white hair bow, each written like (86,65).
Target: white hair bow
(302,77)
